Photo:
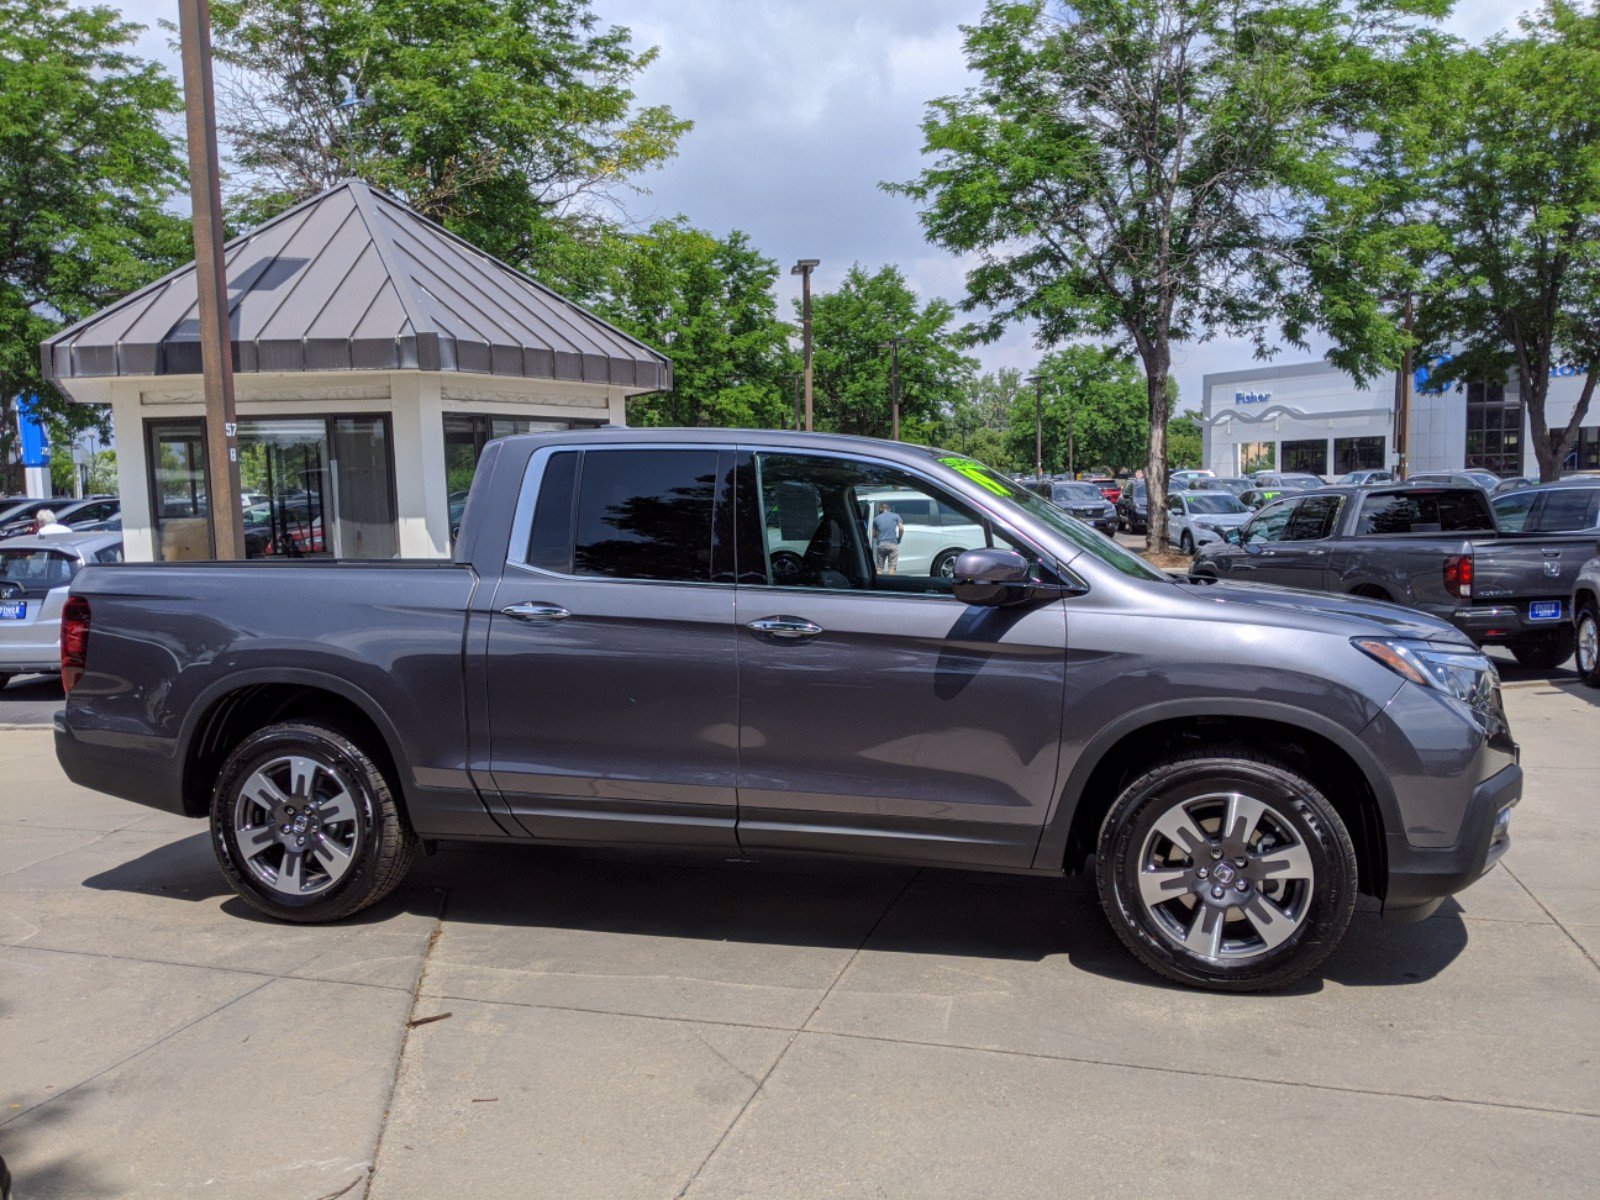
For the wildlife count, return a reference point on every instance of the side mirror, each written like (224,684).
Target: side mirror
(991,578)
(1232,536)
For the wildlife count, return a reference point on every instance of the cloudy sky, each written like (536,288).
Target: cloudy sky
(801,110)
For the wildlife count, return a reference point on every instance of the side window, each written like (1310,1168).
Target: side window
(1566,511)
(1270,524)
(1511,510)
(1461,511)
(626,514)
(841,524)
(1313,519)
(111,554)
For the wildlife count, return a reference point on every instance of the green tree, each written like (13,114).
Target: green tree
(708,304)
(1185,444)
(852,328)
(978,420)
(1093,415)
(86,166)
(498,118)
(1519,209)
(1112,168)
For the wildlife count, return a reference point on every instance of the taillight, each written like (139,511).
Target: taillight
(1458,576)
(74,641)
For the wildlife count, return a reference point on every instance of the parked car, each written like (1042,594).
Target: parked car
(1133,510)
(19,519)
(1200,518)
(90,511)
(1234,485)
(1568,506)
(1086,502)
(1255,497)
(1360,478)
(1586,622)
(35,573)
(1177,481)
(1436,549)
(1512,484)
(611,657)
(1286,481)
(1110,490)
(1476,476)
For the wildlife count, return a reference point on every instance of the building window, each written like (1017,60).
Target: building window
(310,487)
(1359,454)
(466,434)
(1494,429)
(1257,456)
(1585,455)
(1309,457)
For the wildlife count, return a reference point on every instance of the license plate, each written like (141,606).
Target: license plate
(13,610)
(1544,610)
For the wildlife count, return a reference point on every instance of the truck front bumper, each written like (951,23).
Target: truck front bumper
(1420,877)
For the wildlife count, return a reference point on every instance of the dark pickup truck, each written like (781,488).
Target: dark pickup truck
(696,638)
(1436,548)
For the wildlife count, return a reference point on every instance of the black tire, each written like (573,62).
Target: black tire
(1291,807)
(1186,543)
(1586,633)
(788,569)
(4,679)
(383,842)
(944,564)
(1544,653)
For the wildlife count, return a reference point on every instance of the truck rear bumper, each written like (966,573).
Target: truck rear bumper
(1492,624)
(117,770)
(1420,877)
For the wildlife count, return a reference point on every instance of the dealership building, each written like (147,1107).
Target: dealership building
(1314,417)
(374,354)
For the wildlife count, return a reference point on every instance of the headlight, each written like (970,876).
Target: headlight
(1466,676)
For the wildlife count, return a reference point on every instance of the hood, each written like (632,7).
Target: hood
(1290,608)
(1220,520)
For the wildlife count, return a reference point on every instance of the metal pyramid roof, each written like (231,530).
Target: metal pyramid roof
(353,280)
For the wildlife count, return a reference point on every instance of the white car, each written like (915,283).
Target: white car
(35,573)
(1179,480)
(932,538)
(1197,518)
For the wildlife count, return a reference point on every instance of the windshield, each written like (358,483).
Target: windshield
(1080,492)
(1212,502)
(1047,514)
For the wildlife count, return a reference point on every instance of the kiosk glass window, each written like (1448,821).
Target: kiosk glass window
(177,465)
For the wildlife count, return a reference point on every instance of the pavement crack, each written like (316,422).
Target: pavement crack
(1555,920)
(407,1029)
(794,1036)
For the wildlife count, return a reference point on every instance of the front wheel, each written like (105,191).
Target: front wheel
(1588,652)
(1544,653)
(1223,869)
(4,679)
(306,826)
(1186,543)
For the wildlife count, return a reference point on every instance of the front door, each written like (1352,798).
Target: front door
(1300,559)
(1256,560)
(611,672)
(878,714)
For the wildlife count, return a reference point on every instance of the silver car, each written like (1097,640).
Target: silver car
(35,573)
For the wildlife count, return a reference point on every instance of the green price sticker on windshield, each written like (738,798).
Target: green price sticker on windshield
(978,473)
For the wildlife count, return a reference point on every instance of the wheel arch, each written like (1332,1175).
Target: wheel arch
(236,707)
(1329,755)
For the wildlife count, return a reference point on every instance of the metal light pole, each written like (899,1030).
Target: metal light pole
(216,347)
(1038,424)
(803,268)
(893,346)
(1072,456)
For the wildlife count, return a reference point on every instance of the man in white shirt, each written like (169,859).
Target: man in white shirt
(44,521)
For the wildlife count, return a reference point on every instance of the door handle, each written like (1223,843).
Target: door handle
(790,629)
(536,614)
(1315,553)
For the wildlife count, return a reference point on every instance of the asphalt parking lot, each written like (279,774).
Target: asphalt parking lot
(626,1024)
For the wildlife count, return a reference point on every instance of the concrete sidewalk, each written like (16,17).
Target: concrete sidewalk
(629,1025)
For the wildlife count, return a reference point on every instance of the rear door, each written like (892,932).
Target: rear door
(610,672)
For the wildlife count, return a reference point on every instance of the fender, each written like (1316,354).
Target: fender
(1053,838)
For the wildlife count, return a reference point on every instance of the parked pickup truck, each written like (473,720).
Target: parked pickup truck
(1430,547)
(611,657)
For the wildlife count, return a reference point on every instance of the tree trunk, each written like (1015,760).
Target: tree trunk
(1535,388)
(1157,364)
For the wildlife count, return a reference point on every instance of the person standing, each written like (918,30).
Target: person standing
(887,530)
(44,521)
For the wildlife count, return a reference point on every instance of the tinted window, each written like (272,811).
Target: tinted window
(1566,510)
(645,514)
(1270,523)
(37,571)
(1425,512)
(111,554)
(1076,493)
(550,543)
(1215,502)
(1313,519)
(1511,510)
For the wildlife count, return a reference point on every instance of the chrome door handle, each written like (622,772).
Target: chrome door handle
(1314,553)
(538,614)
(788,628)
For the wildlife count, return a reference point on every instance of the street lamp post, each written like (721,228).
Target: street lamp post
(803,268)
(893,346)
(216,343)
(1038,424)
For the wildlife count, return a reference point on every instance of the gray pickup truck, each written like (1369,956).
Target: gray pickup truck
(615,657)
(1437,548)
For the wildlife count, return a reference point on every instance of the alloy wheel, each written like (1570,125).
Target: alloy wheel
(296,823)
(1225,877)
(1588,643)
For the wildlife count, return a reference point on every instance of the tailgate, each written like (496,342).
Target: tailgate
(1534,574)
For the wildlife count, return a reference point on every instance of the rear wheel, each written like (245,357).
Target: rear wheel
(1588,651)
(1544,653)
(4,679)
(1186,543)
(944,566)
(305,825)
(1223,869)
